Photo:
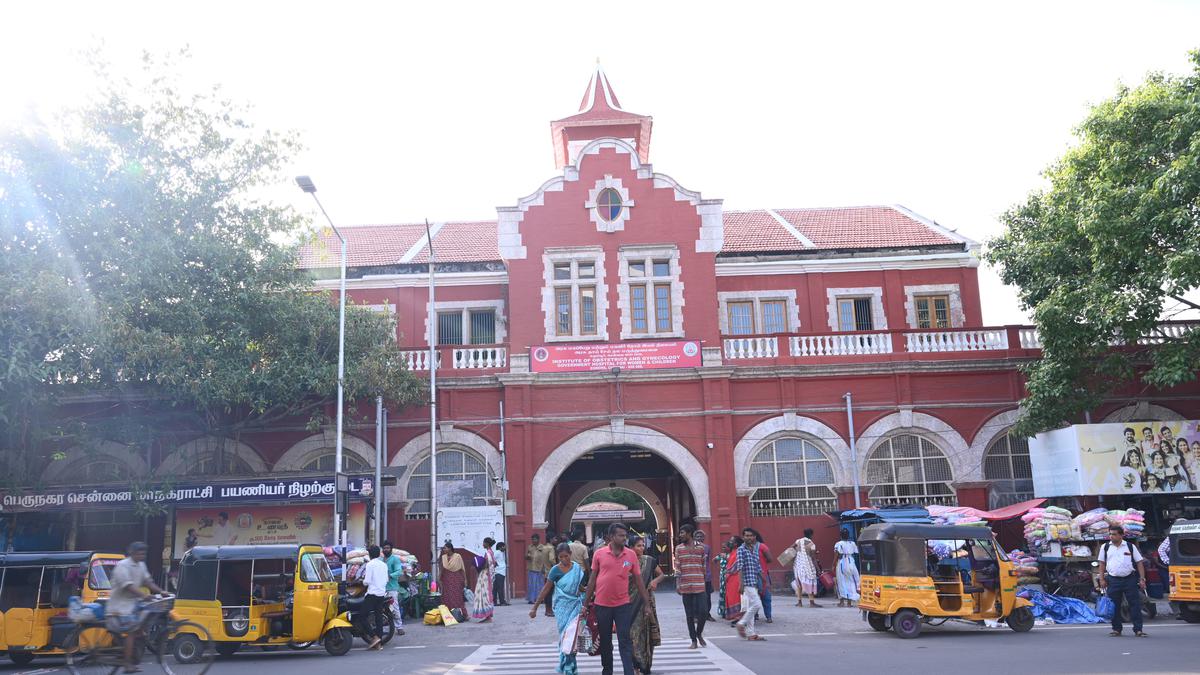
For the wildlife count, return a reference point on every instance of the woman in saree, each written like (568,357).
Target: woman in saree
(722,561)
(731,581)
(482,606)
(644,631)
(565,581)
(453,580)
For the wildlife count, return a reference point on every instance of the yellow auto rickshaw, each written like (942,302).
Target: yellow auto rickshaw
(1185,568)
(914,574)
(35,591)
(267,596)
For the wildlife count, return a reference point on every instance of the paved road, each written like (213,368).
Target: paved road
(828,639)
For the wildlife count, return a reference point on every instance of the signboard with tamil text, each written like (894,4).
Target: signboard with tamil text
(574,358)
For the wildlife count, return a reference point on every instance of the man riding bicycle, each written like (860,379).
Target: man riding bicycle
(129,579)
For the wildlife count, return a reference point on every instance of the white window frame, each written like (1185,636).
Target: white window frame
(627,204)
(465,306)
(911,293)
(800,506)
(574,256)
(647,255)
(791,312)
(875,293)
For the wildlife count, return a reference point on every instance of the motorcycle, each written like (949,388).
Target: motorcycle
(352,607)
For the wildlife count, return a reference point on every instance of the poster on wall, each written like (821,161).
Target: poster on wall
(1117,458)
(251,525)
(466,526)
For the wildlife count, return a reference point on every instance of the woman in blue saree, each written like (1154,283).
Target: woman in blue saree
(565,579)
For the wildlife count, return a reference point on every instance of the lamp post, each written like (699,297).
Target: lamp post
(853,447)
(307,185)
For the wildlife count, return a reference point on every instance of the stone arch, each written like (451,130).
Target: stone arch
(176,462)
(829,441)
(995,427)
(60,469)
(316,445)
(963,464)
(635,486)
(619,434)
(413,452)
(1143,411)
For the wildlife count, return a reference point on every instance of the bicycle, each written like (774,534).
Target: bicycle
(176,647)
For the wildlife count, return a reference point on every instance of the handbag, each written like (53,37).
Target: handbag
(828,580)
(787,556)
(1105,607)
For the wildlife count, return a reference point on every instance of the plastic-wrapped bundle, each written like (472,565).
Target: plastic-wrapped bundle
(1089,517)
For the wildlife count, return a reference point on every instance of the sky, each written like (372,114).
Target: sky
(441,110)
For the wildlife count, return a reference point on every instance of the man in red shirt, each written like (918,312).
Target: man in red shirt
(689,571)
(608,589)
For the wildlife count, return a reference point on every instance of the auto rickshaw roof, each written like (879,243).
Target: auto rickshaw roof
(890,531)
(1182,526)
(262,552)
(44,558)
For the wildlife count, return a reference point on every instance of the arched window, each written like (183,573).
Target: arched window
(462,481)
(1006,464)
(98,470)
(791,477)
(609,204)
(351,463)
(909,469)
(207,465)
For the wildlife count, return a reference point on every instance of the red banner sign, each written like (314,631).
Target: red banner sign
(571,358)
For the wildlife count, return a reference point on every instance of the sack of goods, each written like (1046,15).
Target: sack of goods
(1087,518)
(81,612)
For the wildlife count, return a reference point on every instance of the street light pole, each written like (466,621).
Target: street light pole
(853,448)
(306,184)
(431,317)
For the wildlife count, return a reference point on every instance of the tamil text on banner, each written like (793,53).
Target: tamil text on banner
(264,524)
(567,358)
(1117,458)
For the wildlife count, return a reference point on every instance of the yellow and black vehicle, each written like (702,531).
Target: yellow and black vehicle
(268,596)
(916,574)
(35,592)
(1185,568)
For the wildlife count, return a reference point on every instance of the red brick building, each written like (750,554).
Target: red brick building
(791,308)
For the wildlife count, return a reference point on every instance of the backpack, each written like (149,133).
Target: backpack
(1104,557)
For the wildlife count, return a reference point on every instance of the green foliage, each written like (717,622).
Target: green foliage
(1101,255)
(141,270)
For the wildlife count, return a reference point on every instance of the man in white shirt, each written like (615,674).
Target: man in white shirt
(499,590)
(1118,559)
(375,576)
(130,579)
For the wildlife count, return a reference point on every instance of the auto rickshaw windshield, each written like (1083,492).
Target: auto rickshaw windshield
(100,573)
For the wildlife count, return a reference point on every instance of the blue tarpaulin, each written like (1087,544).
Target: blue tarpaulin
(887,514)
(1059,609)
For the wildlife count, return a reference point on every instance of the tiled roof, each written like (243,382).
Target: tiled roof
(857,227)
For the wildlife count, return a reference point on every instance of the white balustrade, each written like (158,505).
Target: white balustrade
(418,359)
(956,341)
(841,344)
(751,348)
(1168,332)
(1030,338)
(470,358)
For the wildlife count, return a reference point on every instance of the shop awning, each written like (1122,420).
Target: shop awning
(887,514)
(1004,513)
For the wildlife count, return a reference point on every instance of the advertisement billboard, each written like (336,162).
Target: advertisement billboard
(265,524)
(1117,458)
(466,526)
(571,358)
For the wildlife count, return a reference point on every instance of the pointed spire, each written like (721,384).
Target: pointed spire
(599,115)
(599,93)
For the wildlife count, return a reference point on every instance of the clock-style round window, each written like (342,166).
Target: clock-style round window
(609,204)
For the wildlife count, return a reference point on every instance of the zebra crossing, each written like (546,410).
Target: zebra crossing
(673,656)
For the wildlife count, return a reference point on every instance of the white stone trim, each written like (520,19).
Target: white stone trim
(109,450)
(963,464)
(644,437)
(971,244)
(626,204)
(465,306)
(856,263)
(788,295)
(994,428)
(308,449)
(624,308)
(177,462)
(878,316)
(1143,411)
(422,242)
(416,450)
(790,425)
(958,317)
(549,319)
(791,229)
(636,486)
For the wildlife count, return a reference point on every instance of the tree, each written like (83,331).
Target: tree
(1110,249)
(144,289)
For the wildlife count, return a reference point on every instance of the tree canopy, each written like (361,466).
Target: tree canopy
(141,270)
(1111,249)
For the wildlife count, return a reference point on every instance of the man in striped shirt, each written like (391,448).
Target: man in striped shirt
(689,581)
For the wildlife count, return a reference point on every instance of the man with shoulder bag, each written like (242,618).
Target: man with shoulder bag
(1123,576)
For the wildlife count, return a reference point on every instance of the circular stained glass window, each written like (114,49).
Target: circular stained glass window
(609,204)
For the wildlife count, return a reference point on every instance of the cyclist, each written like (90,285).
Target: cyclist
(130,579)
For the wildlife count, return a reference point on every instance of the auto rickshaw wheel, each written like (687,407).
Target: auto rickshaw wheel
(227,649)
(21,658)
(1020,620)
(906,623)
(338,641)
(188,648)
(877,621)
(1189,615)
